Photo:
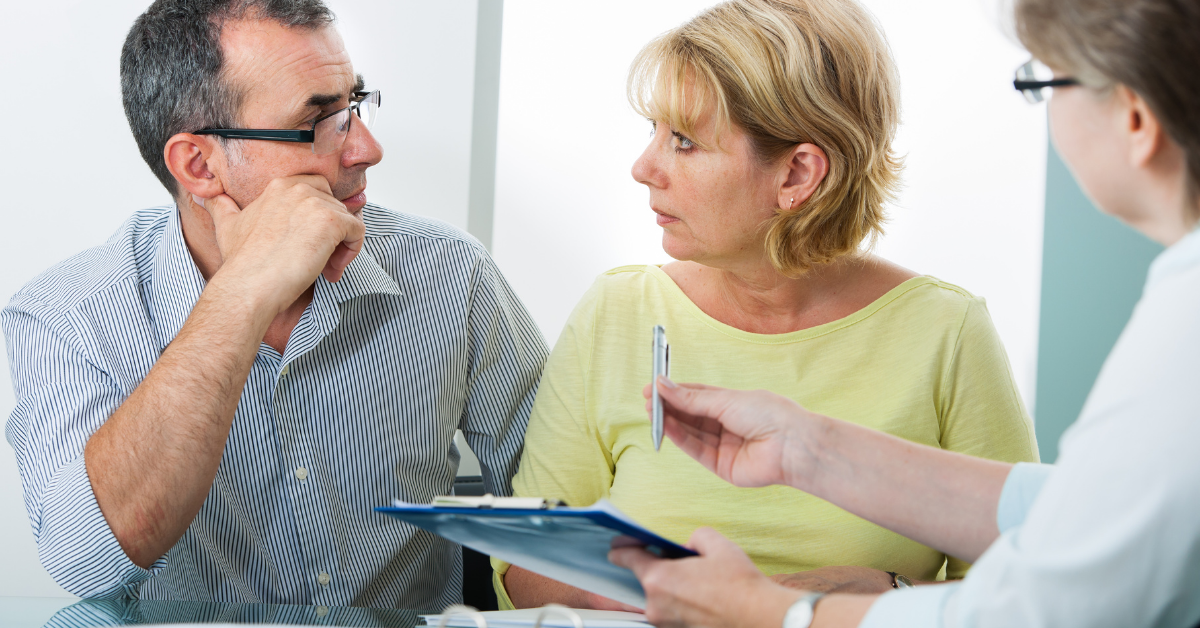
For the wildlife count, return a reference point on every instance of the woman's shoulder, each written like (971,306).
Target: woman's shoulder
(623,292)
(929,302)
(634,281)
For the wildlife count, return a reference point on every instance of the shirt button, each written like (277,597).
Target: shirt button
(286,368)
(323,579)
(302,475)
(322,610)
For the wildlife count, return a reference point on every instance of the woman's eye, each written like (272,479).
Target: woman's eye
(685,144)
(653,128)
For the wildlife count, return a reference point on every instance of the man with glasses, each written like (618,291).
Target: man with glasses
(210,403)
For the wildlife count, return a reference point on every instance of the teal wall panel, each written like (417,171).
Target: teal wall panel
(1093,270)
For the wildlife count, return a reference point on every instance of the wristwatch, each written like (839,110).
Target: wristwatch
(800,615)
(899,581)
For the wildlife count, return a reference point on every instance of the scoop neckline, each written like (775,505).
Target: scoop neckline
(677,293)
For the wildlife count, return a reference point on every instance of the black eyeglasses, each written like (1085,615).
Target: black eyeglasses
(328,133)
(1034,80)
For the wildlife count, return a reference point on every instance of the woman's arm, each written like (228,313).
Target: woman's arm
(564,456)
(530,590)
(755,438)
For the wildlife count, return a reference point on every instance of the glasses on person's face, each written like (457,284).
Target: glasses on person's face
(328,132)
(1034,80)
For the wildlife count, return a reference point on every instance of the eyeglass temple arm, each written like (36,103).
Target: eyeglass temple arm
(361,95)
(260,134)
(1024,85)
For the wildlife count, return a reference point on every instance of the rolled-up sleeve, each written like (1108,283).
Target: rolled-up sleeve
(506,357)
(919,607)
(62,399)
(1021,488)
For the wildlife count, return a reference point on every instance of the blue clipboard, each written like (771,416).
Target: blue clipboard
(570,545)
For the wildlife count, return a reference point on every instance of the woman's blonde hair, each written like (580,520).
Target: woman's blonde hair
(789,72)
(1150,46)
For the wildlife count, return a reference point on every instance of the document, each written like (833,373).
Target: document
(570,545)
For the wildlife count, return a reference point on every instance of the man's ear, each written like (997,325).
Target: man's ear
(188,157)
(804,169)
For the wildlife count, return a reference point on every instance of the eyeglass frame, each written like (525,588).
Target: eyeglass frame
(299,137)
(1026,86)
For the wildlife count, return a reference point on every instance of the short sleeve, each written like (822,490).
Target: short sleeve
(980,408)
(62,399)
(564,458)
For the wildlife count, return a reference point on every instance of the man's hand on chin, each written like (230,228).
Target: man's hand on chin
(278,244)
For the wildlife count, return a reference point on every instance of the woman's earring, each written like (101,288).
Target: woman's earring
(791,201)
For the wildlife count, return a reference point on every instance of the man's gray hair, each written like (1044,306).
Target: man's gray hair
(172,69)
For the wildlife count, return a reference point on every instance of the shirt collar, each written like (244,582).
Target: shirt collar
(1179,257)
(362,277)
(175,282)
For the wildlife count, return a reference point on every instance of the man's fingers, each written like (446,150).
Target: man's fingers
(220,207)
(352,241)
(315,181)
(341,258)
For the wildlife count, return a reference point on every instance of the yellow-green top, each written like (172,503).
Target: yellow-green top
(922,362)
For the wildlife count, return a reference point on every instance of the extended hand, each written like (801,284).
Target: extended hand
(719,588)
(281,241)
(748,438)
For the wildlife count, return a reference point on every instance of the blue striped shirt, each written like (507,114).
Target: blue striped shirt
(421,336)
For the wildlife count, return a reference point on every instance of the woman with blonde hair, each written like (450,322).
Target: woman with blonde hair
(1110,534)
(768,170)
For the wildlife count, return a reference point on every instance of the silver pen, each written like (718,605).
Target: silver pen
(662,366)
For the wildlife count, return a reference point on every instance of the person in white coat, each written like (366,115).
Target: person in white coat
(1107,536)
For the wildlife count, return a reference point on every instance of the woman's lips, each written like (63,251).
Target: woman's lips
(664,219)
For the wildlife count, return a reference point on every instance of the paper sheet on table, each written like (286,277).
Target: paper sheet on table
(524,618)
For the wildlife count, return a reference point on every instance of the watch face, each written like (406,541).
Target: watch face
(902,582)
(800,615)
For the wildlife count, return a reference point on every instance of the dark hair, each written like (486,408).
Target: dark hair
(1149,46)
(172,69)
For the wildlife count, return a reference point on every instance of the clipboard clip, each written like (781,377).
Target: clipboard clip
(489,501)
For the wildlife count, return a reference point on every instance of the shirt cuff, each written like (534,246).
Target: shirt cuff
(1024,482)
(77,546)
(909,608)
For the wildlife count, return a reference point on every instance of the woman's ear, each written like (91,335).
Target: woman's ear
(188,157)
(805,169)
(1140,126)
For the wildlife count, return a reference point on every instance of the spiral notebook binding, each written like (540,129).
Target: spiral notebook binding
(481,621)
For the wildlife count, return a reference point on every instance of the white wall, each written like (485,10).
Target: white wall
(72,174)
(567,208)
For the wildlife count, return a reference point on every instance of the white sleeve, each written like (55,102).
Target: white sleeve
(1021,488)
(1113,538)
(919,607)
